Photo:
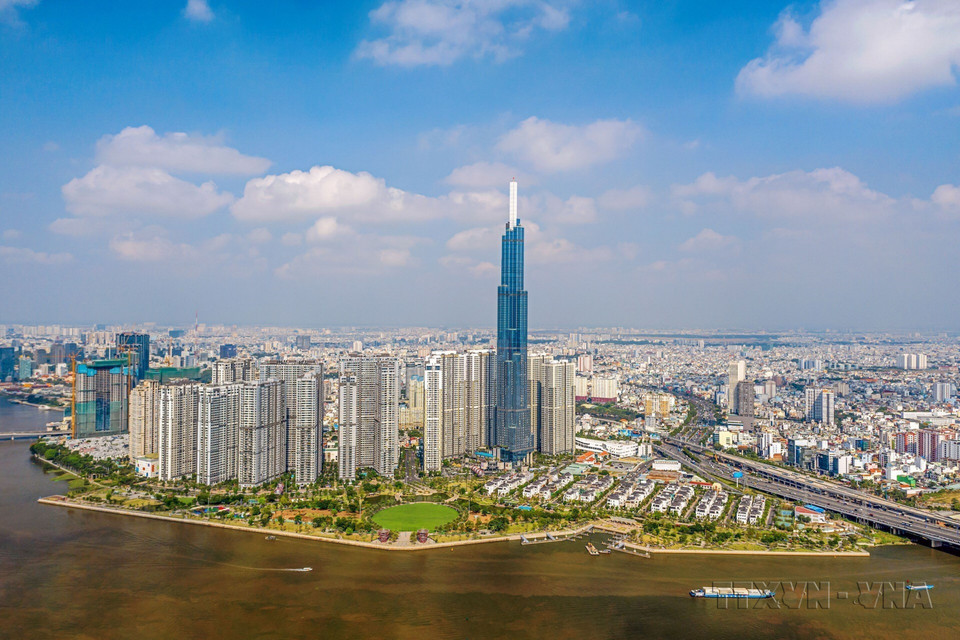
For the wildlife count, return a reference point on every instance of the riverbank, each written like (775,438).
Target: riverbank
(62,501)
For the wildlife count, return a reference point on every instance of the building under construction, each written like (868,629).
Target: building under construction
(101,392)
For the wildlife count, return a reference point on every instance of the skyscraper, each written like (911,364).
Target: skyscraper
(737,372)
(513,433)
(138,346)
(144,437)
(552,404)
(101,389)
(458,391)
(369,415)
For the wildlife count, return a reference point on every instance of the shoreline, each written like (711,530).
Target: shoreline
(62,501)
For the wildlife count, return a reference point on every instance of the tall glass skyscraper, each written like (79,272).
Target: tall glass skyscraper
(514,433)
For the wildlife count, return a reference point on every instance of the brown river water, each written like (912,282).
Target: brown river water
(74,574)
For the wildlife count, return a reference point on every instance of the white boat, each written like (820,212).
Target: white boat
(919,587)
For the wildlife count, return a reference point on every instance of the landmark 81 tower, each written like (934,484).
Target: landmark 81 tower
(514,433)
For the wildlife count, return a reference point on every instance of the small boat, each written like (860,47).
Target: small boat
(919,587)
(734,592)
(304,569)
(592,550)
(271,537)
(604,550)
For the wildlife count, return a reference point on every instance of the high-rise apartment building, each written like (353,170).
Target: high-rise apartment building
(177,426)
(369,415)
(234,370)
(553,404)
(261,450)
(514,433)
(218,417)
(819,405)
(135,347)
(458,405)
(305,428)
(290,372)
(101,392)
(745,398)
(943,391)
(912,361)
(144,419)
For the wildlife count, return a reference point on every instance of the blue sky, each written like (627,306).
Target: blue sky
(681,164)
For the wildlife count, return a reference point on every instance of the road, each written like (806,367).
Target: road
(856,505)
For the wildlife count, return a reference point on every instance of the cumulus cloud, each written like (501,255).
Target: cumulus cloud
(551,147)
(822,194)
(260,235)
(22,255)
(370,254)
(107,190)
(709,240)
(358,196)
(860,51)
(198,11)
(947,196)
(176,152)
(440,32)
(327,229)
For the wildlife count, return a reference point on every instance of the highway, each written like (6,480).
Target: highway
(855,505)
(919,524)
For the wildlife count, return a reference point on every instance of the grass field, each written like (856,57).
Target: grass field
(418,515)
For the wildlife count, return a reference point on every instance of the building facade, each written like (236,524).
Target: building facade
(101,392)
(369,415)
(513,432)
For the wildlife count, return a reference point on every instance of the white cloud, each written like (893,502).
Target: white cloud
(550,147)
(710,240)
(860,51)
(291,239)
(573,210)
(636,197)
(947,196)
(357,196)
(327,229)
(150,249)
(176,152)
(260,235)
(107,190)
(11,234)
(369,254)
(826,195)
(22,255)
(440,32)
(198,11)
(480,175)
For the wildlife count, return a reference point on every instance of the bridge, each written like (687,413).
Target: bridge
(918,524)
(29,435)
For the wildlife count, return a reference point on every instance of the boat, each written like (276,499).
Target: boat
(731,592)
(271,537)
(604,550)
(592,550)
(919,587)
(304,569)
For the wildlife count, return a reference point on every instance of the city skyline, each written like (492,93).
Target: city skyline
(722,170)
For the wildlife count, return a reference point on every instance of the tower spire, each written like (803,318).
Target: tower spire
(513,203)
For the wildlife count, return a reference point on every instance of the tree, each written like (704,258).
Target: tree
(499,524)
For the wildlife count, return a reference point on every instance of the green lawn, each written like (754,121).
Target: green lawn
(418,515)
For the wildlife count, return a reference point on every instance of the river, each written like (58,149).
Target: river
(74,574)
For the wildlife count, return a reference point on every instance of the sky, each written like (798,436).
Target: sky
(681,164)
